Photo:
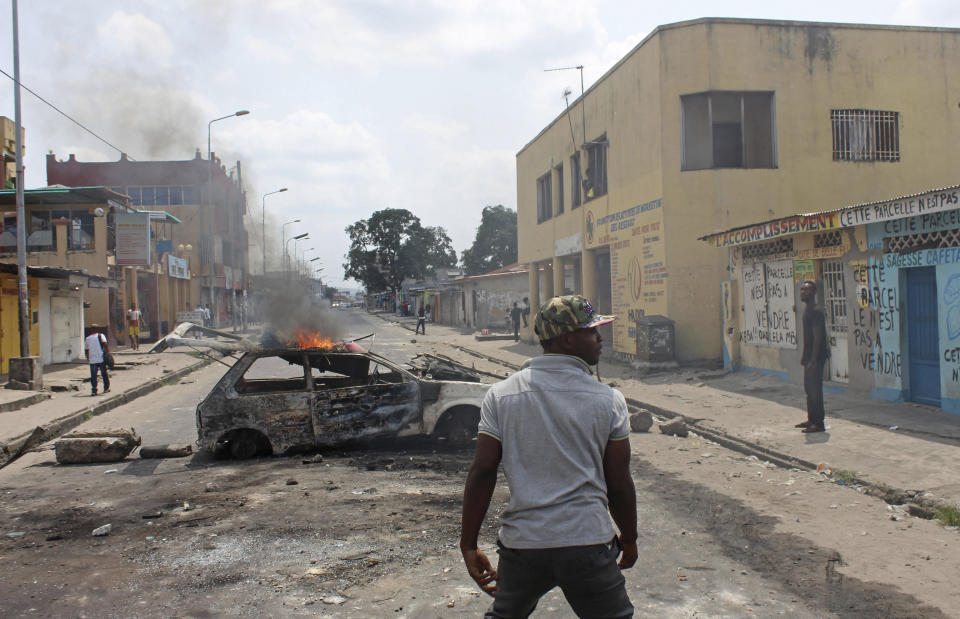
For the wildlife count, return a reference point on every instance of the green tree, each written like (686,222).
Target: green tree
(393,245)
(495,245)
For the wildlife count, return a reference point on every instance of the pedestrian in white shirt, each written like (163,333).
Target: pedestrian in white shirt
(95,347)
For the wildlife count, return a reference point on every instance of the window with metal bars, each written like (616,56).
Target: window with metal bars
(925,240)
(828,239)
(770,248)
(865,135)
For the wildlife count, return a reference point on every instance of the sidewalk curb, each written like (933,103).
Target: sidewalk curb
(16,447)
(16,405)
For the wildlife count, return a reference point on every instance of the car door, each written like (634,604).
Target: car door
(358,397)
(271,396)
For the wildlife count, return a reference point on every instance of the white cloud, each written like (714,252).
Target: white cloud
(136,37)
(267,51)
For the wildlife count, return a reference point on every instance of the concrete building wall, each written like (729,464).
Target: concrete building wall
(888,336)
(489,300)
(654,210)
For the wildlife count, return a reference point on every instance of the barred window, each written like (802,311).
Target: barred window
(828,239)
(865,135)
(770,248)
(925,240)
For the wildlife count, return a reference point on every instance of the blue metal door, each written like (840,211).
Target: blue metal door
(922,336)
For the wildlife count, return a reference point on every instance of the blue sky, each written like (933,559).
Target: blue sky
(356,105)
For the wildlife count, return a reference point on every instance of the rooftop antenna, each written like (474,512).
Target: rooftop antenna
(579,67)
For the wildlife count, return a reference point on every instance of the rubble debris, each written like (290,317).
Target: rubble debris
(315,459)
(96,446)
(677,427)
(61,387)
(15,534)
(641,422)
(292,482)
(166,451)
(438,368)
(211,487)
(920,511)
(151,515)
(334,599)
(102,531)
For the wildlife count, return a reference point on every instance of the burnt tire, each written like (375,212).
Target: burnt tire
(246,444)
(459,426)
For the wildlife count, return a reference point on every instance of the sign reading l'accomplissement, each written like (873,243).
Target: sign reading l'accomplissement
(133,239)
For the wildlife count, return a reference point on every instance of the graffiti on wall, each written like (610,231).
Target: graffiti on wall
(876,325)
(769,318)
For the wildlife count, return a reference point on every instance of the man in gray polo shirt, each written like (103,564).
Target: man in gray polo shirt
(562,437)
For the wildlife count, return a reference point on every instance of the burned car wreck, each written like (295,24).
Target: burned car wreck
(284,400)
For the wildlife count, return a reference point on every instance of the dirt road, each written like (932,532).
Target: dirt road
(371,531)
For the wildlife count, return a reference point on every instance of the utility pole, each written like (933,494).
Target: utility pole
(24,313)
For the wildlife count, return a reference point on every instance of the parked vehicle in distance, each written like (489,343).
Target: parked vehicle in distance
(290,400)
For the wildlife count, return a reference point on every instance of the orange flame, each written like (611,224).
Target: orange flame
(311,339)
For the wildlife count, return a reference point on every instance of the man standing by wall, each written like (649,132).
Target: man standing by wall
(515,314)
(95,347)
(814,357)
(563,439)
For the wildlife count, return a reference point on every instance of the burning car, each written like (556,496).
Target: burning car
(315,393)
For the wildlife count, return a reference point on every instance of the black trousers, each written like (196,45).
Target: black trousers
(813,387)
(587,575)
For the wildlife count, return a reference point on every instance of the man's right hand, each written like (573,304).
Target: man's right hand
(629,555)
(482,572)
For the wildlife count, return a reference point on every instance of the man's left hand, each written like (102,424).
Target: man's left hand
(629,555)
(481,571)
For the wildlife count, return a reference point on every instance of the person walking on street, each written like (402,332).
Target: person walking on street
(563,439)
(95,348)
(421,321)
(134,320)
(526,310)
(814,357)
(515,314)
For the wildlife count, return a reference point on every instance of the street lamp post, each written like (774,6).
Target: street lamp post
(263,217)
(283,239)
(213,298)
(295,241)
(294,238)
(303,260)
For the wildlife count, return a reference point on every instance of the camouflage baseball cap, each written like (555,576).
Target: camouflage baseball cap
(564,314)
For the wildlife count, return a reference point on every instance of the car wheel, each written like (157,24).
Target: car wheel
(245,444)
(460,426)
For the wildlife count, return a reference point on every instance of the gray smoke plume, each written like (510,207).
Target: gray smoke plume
(288,305)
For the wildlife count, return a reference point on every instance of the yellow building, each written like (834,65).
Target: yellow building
(712,124)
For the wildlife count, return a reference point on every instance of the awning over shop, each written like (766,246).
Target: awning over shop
(72,276)
(924,203)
